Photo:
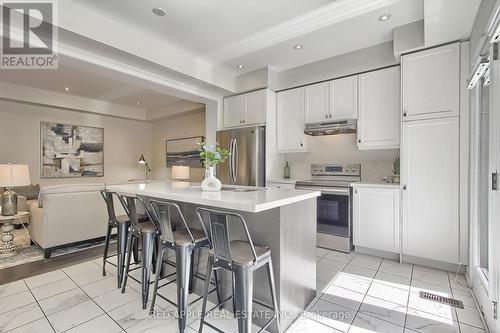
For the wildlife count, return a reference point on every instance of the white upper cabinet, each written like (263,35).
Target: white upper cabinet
(376,217)
(255,107)
(317,103)
(234,110)
(431,81)
(245,109)
(430,179)
(290,120)
(343,98)
(379,118)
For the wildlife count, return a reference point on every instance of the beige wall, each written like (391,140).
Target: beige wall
(342,149)
(124,141)
(182,126)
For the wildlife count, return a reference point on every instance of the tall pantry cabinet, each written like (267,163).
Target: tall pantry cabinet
(430,154)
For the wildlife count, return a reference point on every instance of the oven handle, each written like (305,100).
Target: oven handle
(339,191)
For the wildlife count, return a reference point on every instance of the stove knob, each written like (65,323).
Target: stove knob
(354,169)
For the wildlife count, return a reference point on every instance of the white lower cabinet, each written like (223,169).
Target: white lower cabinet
(376,217)
(430,179)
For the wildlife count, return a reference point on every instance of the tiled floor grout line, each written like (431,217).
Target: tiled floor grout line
(41,309)
(409,295)
(106,312)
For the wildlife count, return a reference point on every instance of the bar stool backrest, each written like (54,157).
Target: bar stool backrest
(108,198)
(219,233)
(129,204)
(162,216)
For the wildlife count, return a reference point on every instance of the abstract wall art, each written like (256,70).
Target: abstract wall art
(184,151)
(70,151)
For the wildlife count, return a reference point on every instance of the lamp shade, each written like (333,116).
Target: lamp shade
(180,172)
(14,175)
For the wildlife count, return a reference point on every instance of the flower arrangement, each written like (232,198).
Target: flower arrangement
(212,154)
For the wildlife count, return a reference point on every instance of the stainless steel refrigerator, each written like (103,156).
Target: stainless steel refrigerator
(246,165)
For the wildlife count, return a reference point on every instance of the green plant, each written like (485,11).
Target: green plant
(212,154)
(395,166)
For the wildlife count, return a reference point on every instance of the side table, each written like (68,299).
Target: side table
(7,247)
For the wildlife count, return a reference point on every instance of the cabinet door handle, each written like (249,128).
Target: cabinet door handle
(404,187)
(404,114)
(326,116)
(359,141)
(330,116)
(302,145)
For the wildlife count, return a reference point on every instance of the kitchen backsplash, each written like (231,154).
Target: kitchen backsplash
(340,149)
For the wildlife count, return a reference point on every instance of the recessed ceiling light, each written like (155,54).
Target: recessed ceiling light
(298,47)
(385,17)
(240,66)
(66,88)
(159,11)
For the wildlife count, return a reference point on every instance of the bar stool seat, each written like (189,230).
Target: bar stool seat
(125,218)
(182,237)
(241,253)
(147,228)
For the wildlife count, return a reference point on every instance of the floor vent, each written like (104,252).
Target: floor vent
(441,299)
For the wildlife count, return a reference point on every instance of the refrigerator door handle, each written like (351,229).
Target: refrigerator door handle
(230,162)
(235,169)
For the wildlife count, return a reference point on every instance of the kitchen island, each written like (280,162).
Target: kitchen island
(284,219)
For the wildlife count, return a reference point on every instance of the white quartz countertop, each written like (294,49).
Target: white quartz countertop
(231,197)
(376,184)
(284,180)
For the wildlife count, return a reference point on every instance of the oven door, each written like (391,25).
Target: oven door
(333,211)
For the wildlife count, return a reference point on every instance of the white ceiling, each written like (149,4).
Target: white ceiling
(261,33)
(207,25)
(345,36)
(91,82)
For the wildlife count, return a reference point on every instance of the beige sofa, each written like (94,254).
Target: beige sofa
(67,214)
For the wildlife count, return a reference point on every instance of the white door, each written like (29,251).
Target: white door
(379,118)
(317,103)
(255,107)
(344,98)
(290,120)
(234,110)
(376,218)
(430,177)
(431,81)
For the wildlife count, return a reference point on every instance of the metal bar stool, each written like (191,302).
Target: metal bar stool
(184,242)
(122,223)
(242,258)
(147,234)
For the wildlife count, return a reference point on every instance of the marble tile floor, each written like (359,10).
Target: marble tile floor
(355,293)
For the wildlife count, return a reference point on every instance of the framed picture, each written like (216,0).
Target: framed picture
(71,151)
(184,151)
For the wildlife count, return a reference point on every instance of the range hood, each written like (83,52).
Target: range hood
(331,128)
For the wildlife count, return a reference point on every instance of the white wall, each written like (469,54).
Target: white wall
(342,149)
(182,126)
(124,141)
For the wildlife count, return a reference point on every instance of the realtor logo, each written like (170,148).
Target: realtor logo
(28,35)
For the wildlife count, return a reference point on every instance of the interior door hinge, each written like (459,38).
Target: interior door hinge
(494,181)
(495,51)
(495,309)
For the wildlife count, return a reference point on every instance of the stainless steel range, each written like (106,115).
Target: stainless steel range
(335,203)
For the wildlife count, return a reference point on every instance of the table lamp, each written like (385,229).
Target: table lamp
(12,175)
(180,173)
